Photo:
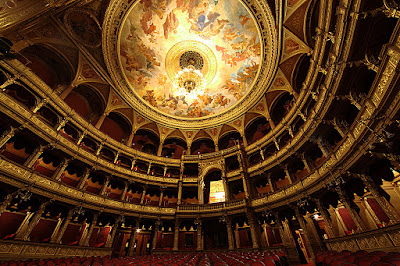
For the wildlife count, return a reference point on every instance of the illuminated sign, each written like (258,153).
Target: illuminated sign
(217,192)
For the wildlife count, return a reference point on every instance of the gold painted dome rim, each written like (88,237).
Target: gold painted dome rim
(116,15)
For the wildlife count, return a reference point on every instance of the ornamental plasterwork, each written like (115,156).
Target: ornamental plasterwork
(262,17)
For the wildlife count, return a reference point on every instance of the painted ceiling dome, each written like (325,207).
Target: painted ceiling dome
(191,64)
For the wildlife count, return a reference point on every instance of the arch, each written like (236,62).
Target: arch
(54,69)
(116,126)
(300,72)
(146,140)
(257,129)
(86,101)
(173,147)
(202,146)
(229,139)
(281,106)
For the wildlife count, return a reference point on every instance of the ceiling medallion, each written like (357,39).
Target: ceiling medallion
(183,62)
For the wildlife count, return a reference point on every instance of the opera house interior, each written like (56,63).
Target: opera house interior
(270,134)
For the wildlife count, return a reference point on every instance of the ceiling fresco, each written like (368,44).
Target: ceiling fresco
(190,58)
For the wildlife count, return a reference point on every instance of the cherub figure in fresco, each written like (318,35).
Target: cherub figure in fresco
(201,22)
(157,6)
(149,54)
(205,100)
(147,23)
(142,78)
(243,19)
(170,24)
(214,30)
(220,100)
(230,34)
(131,62)
(150,98)
(254,47)
(162,79)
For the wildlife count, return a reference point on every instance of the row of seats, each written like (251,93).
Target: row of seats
(253,258)
(361,258)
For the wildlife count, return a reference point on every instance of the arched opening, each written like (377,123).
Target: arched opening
(53,68)
(282,107)
(202,146)
(146,140)
(174,148)
(257,129)
(213,190)
(86,101)
(116,126)
(229,139)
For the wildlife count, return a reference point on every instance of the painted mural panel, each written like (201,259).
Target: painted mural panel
(216,42)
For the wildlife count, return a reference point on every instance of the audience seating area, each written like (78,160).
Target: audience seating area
(253,258)
(361,258)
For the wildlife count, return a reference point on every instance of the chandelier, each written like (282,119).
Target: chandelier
(189,80)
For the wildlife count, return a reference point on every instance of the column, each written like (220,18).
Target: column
(24,225)
(176,235)
(56,229)
(244,140)
(326,217)
(116,157)
(180,182)
(132,240)
(200,191)
(83,179)
(156,229)
(130,139)
(67,90)
(81,137)
(307,233)
(57,237)
(229,230)
(339,126)
(284,231)
(216,146)
(99,149)
(7,136)
(271,184)
(354,215)
(90,230)
(245,185)
(149,168)
(289,176)
(103,189)
(124,191)
(57,174)
(101,120)
(113,232)
(159,151)
(385,205)
(39,104)
(84,235)
(305,162)
(143,194)
(226,189)
(24,234)
(253,230)
(199,234)
(237,237)
(34,156)
(324,147)
(264,227)
(161,196)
